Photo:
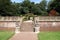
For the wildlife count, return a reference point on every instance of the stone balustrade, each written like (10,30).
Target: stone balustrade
(12,18)
(48,18)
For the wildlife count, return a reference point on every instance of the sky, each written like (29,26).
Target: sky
(36,1)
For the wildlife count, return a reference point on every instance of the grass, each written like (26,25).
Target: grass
(5,35)
(49,36)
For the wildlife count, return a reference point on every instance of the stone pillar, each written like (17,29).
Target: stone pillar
(17,30)
(37,27)
(17,27)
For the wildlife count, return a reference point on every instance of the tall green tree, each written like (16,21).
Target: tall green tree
(48,5)
(55,5)
(6,8)
(4,5)
(43,7)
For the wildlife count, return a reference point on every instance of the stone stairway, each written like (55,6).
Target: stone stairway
(27,26)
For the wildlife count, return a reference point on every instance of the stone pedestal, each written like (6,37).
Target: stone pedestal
(17,30)
(37,29)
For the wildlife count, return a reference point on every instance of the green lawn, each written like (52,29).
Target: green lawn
(49,36)
(5,35)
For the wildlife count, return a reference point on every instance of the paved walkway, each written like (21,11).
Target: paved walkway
(25,36)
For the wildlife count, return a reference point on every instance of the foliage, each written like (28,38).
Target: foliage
(8,8)
(27,16)
(48,6)
(55,5)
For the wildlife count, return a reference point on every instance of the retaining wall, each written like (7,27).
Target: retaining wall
(49,26)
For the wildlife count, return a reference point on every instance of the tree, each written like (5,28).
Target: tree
(6,8)
(43,5)
(17,8)
(4,5)
(55,5)
(48,6)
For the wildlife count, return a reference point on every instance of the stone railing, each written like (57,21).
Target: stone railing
(39,18)
(48,18)
(12,18)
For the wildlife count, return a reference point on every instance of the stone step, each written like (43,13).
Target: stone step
(27,26)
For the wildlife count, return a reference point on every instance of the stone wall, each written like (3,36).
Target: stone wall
(48,23)
(7,29)
(10,23)
(49,26)
(7,24)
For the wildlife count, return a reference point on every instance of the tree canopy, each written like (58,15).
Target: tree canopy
(8,8)
(55,5)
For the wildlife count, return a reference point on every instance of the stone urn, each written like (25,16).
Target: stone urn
(37,29)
